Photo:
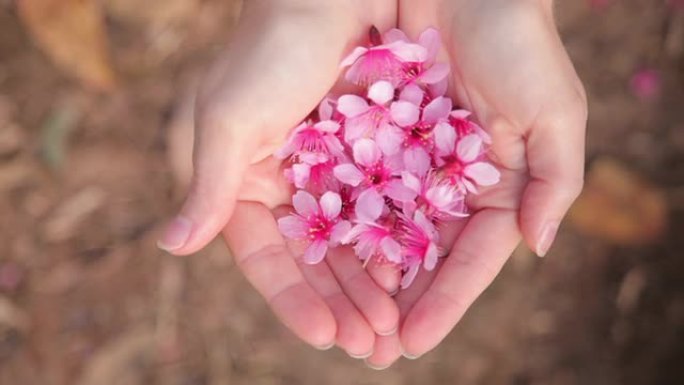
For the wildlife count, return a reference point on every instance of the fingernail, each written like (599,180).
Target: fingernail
(361,356)
(410,356)
(176,234)
(546,237)
(376,367)
(389,333)
(325,347)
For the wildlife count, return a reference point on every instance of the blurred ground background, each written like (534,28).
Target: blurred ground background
(89,91)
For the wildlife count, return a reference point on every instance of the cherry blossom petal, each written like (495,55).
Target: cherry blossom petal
(355,128)
(339,232)
(353,56)
(431,256)
(381,92)
(300,174)
(404,113)
(331,204)
(412,93)
(389,138)
(326,109)
(353,234)
(393,35)
(431,41)
(435,74)
(293,227)
(396,190)
(411,181)
(445,137)
(391,249)
(424,223)
(366,152)
(369,205)
(460,114)
(439,88)
(351,105)
(417,160)
(437,109)
(349,174)
(409,276)
(469,147)
(315,252)
(327,126)
(483,173)
(304,203)
(407,52)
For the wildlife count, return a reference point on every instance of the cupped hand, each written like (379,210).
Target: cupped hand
(284,58)
(510,68)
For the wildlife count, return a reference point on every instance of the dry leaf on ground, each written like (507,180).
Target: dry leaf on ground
(72,33)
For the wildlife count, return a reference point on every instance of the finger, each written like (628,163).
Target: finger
(477,257)
(385,274)
(375,304)
(268,265)
(354,335)
(386,351)
(555,154)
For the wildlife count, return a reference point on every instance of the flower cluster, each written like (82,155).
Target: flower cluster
(380,170)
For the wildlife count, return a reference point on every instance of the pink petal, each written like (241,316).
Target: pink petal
(381,92)
(352,57)
(396,190)
(391,249)
(408,52)
(331,204)
(437,109)
(411,181)
(353,234)
(439,88)
(366,152)
(355,128)
(339,232)
(369,205)
(389,138)
(417,160)
(412,93)
(351,105)
(304,203)
(300,174)
(325,109)
(293,227)
(315,252)
(424,223)
(327,126)
(349,174)
(404,113)
(431,256)
(445,138)
(469,148)
(435,74)
(393,35)
(483,173)
(285,151)
(460,114)
(431,41)
(409,276)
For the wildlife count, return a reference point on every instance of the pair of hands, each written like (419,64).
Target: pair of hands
(508,67)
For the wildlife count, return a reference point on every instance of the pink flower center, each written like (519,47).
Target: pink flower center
(311,140)
(453,169)
(319,227)
(377,174)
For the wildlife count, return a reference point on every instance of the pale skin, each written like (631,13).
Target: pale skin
(508,66)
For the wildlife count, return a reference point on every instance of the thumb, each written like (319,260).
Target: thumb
(220,159)
(555,155)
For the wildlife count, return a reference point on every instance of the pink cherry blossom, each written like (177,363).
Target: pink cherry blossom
(373,170)
(418,237)
(318,138)
(363,120)
(462,160)
(316,223)
(382,62)
(370,235)
(388,162)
